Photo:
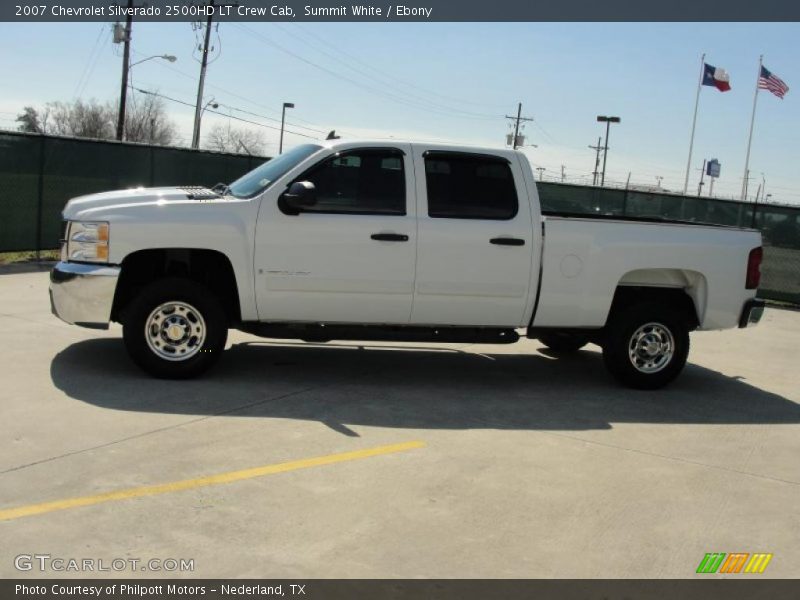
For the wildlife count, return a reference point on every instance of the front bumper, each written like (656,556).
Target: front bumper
(752,312)
(82,294)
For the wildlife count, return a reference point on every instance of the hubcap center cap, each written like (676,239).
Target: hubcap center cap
(175,332)
(651,347)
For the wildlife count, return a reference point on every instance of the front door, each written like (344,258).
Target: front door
(350,258)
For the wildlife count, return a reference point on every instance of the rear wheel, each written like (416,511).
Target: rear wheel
(646,345)
(563,343)
(175,329)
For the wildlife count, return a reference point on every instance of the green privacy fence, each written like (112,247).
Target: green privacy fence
(38,174)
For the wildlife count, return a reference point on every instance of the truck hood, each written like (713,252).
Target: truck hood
(98,206)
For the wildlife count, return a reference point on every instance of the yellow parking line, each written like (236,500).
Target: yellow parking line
(188,484)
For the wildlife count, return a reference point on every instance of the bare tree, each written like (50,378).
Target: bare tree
(146,121)
(32,121)
(224,138)
(81,119)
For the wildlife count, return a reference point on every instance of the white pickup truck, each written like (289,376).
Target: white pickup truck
(395,241)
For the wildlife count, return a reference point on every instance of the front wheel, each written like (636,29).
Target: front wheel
(175,329)
(646,346)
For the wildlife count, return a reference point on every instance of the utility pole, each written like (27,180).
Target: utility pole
(203,64)
(126,58)
(659,178)
(198,109)
(563,174)
(541,172)
(519,118)
(597,149)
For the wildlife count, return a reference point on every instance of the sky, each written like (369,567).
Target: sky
(455,82)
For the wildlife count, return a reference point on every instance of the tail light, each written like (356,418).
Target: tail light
(754,268)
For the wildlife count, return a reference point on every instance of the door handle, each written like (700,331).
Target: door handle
(389,237)
(507,241)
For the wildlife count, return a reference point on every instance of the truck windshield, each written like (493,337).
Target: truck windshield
(261,177)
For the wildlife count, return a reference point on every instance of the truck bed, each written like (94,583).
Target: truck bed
(585,258)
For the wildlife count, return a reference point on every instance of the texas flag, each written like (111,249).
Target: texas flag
(716,77)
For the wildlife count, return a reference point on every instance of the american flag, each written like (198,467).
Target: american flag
(768,81)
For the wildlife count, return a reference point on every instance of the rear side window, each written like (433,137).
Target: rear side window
(469,186)
(370,181)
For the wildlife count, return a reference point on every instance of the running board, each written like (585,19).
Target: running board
(318,332)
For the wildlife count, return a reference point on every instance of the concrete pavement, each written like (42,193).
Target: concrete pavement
(531,465)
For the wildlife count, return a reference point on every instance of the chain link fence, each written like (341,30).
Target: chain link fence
(39,173)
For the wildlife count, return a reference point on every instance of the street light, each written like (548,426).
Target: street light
(283,120)
(167,57)
(123,96)
(608,121)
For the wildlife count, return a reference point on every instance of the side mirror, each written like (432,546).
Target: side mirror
(300,195)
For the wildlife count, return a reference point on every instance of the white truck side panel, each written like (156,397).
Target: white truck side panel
(586,259)
(226,226)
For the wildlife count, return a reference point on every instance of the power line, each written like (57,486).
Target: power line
(419,98)
(414,104)
(387,75)
(91,63)
(248,100)
(247,112)
(216,112)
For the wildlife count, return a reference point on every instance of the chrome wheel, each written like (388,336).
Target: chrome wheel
(651,348)
(175,331)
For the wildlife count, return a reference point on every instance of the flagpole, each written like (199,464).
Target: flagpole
(750,137)
(694,122)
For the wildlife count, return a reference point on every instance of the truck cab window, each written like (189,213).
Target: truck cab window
(467,186)
(360,182)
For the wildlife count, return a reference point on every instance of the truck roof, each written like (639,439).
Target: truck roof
(452,147)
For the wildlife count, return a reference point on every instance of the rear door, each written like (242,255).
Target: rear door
(475,241)
(351,257)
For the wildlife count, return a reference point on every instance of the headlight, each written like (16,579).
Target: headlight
(87,241)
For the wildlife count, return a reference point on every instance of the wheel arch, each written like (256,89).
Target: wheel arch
(211,268)
(661,288)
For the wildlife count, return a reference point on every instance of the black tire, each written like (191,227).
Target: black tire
(563,343)
(204,317)
(652,324)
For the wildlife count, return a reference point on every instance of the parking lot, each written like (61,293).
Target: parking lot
(394,460)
